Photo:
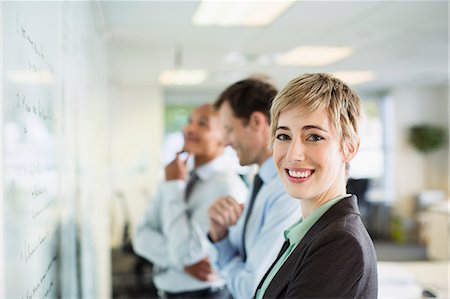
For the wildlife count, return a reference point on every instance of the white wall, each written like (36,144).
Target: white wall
(413,170)
(137,127)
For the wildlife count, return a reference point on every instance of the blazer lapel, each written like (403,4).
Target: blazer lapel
(278,285)
(344,207)
(280,281)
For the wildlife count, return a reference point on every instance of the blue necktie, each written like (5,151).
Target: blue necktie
(257,183)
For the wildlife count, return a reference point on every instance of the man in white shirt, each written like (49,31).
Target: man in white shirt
(173,232)
(248,239)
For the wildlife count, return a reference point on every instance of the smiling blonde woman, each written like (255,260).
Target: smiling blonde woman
(328,252)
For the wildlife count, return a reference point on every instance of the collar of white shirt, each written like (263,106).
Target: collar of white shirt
(206,170)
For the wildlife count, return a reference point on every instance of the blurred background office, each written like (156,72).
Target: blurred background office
(94,96)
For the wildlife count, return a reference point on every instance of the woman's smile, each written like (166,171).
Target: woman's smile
(298,175)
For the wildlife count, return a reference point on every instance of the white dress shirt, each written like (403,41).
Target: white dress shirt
(173,232)
(273,211)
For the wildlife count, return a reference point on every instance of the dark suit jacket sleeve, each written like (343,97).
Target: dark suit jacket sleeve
(332,267)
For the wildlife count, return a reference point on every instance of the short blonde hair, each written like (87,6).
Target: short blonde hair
(319,91)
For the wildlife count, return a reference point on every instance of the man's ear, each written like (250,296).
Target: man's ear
(351,150)
(257,120)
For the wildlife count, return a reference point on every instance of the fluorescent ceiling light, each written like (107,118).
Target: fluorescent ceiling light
(314,56)
(355,77)
(182,77)
(238,13)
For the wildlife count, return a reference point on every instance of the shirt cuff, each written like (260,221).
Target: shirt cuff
(225,251)
(210,239)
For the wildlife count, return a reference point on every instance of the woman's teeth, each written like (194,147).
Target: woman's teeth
(299,174)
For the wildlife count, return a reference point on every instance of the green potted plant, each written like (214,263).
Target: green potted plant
(427,138)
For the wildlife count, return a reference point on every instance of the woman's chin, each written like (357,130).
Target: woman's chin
(296,195)
(296,190)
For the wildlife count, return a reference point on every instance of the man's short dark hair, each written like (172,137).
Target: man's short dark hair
(248,96)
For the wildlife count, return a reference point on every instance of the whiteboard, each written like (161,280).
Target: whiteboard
(47,51)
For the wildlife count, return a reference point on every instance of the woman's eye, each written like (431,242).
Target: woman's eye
(314,138)
(282,137)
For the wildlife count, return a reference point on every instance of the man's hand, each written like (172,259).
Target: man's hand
(177,169)
(223,213)
(201,270)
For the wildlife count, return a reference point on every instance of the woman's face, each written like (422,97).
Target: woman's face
(308,155)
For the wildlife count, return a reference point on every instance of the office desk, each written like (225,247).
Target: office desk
(409,279)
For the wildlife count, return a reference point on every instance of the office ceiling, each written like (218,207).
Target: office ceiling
(404,43)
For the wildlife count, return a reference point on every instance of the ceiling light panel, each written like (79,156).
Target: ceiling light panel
(239,13)
(182,77)
(314,56)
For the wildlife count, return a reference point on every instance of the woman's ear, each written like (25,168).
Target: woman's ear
(351,150)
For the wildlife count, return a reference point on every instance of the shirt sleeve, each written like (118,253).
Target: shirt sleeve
(149,241)
(186,230)
(241,277)
(226,249)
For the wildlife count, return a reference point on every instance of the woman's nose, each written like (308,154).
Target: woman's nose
(295,151)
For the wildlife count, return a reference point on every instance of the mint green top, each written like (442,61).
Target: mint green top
(294,234)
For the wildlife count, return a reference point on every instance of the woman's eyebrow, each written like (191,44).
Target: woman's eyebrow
(308,127)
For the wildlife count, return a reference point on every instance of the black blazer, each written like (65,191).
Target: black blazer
(335,259)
